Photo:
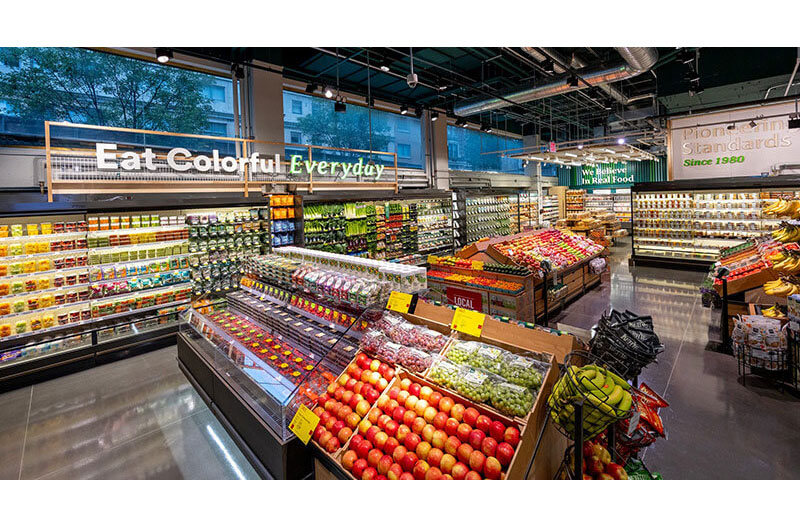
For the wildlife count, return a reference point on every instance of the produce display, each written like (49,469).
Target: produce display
(347,405)
(524,210)
(416,433)
(597,464)
(561,248)
(487,216)
(282,220)
(625,342)
(605,395)
(479,282)
(397,341)
(435,222)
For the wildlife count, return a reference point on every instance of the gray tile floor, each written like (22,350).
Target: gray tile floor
(140,418)
(133,419)
(716,427)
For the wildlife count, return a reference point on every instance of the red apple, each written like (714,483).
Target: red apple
(322,399)
(318,411)
(344,434)
(451,445)
(362,408)
(473,475)
(391,407)
(338,393)
(427,432)
(358,387)
(389,374)
(434,400)
(492,468)
(476,438)
(440,420)
(332,445)
(398,453)
(382,401)
(447,463)
(430,414)
(371,432)
(383,420)
(332,386)
(476,461)
(457,412)
(338,425)
(348,459)
(374,414)
(497,430)
(434,457)
(337,405)
(418,424)
(439,439)
(361,357)
(411,441)
(357,439)
(374,365)
(425,393)
(324,437)
(471,416)
(463,453)
(463,432)
(391,427)
(594,466)
(369,474)
(382,369)
(408,461)
(489,446)
(347,396)
(384,464)
(390,445)
(324,417)
(511,436)
(343,379)
(393,392)
(363,426)
(363,449)
(373,457)
(402,433)
(398,414)
(445,404)
(402,396)
(409,417)
(459,471)
(484,423)
(365,380)
(587,477)
(374,378)
(422,450)
(433,473)
(343,412)
(382,384)
(405,384)
(616,471)
(406,476)
(352,419)
(415,389)
(330,404)
(420,407)
(411,402)
(395,471)
(451,426)
(318,432)
(504,453)
(351,384)
(358,467)
(420,469)
(380,439)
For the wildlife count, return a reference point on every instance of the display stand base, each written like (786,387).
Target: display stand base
(666,262)
(269,455)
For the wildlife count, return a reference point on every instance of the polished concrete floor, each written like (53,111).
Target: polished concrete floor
(717,427)
(138,418)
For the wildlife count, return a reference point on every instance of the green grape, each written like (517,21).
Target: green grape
(462,352)
(512,399)
(475,385)
(444,373)
(522,371)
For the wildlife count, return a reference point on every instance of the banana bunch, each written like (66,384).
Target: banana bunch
(773,311)
(606,397)
(785,262)
(787,233)
(782,287)
(783,207)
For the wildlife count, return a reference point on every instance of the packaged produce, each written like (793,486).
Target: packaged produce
(5,308)
(5,289)
(414,359)
(389,352)
(445,373)
(19,306)
(476,384)
(523,371)
(512,399)
(5,330)
(463,352)
(372,341)
(20,326)
(17,287)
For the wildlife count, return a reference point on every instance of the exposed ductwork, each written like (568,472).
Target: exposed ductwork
(637,61)
(577,62)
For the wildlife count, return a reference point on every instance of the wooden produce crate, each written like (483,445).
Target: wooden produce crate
(748,282)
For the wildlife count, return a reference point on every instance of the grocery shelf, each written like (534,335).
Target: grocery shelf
(147,291)
(139,247)
(64,288)
(45,254)
(129,230)
(136,276)
(283,304)
(23,238)
(150,259)
(40,273)
(45,309)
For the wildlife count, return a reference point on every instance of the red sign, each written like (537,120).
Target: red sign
(464,299)
(552,146)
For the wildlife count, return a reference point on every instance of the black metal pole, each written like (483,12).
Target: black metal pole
(612,441)
(544,293)
(724,323)
(578,453)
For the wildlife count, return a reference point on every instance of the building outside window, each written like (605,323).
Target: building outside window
(320,125)
(92,87)
(297,107)
(296,137)
(472,150)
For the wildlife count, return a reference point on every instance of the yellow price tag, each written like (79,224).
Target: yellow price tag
(304,423)
(477,265)
(399,302)
(468,322)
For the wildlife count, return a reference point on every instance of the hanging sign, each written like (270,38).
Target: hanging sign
(743,142)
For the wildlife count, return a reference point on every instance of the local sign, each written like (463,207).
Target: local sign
(464,299)
(720,144)
(183,160)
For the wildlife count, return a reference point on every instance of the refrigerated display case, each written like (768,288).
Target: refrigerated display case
(487,216)
(691,222)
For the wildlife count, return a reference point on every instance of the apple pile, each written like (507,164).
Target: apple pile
(561,248)
(597,464)
(348,400)
(416,433)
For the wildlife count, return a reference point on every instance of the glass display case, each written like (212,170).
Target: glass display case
(692,221)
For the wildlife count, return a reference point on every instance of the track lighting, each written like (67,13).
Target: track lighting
(696,89)
(339,107)
(794,121)
(548,66)
(731,127)
(385,65)
(237,70)
(311,88)
(752,124)
(418,111)
(580,147)
(434,116)
(163,55)
(403,109)
(328,92)
(486,128)
(461,122)
(572,81)
(692,76)
(621,141)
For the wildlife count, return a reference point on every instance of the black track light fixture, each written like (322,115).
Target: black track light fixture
(311,88)
(328,92)
(548,66)
(486,128)
(461,122)
(403,109)
(339,107)
(385,65)
(163,55)
(572,81)
(418,111)
(434,116)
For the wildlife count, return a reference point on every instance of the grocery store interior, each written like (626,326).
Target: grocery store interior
(386,263)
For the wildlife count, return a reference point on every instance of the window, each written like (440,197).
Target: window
(217,129)
(296,137)
(320,125)
(471,150)
(297,106)
(84,86)
(215,93)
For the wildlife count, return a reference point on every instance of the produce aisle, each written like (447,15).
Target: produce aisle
(716,428)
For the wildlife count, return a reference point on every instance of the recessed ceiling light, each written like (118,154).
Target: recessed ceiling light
(163,55)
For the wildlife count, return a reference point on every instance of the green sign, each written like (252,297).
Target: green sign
(609,175)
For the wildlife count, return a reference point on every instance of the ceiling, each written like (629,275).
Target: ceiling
(451,75)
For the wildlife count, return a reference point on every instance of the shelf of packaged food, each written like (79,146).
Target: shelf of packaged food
(83,341)
(135,276)
(673,248)
(283,304)
(139,246)
(129,230)
(45,309)
(48,290)
(45,254)
(38,238)
(144,261)
(40,273)
(147,291)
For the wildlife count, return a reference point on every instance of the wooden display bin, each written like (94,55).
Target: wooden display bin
(755,309)
(748,282)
